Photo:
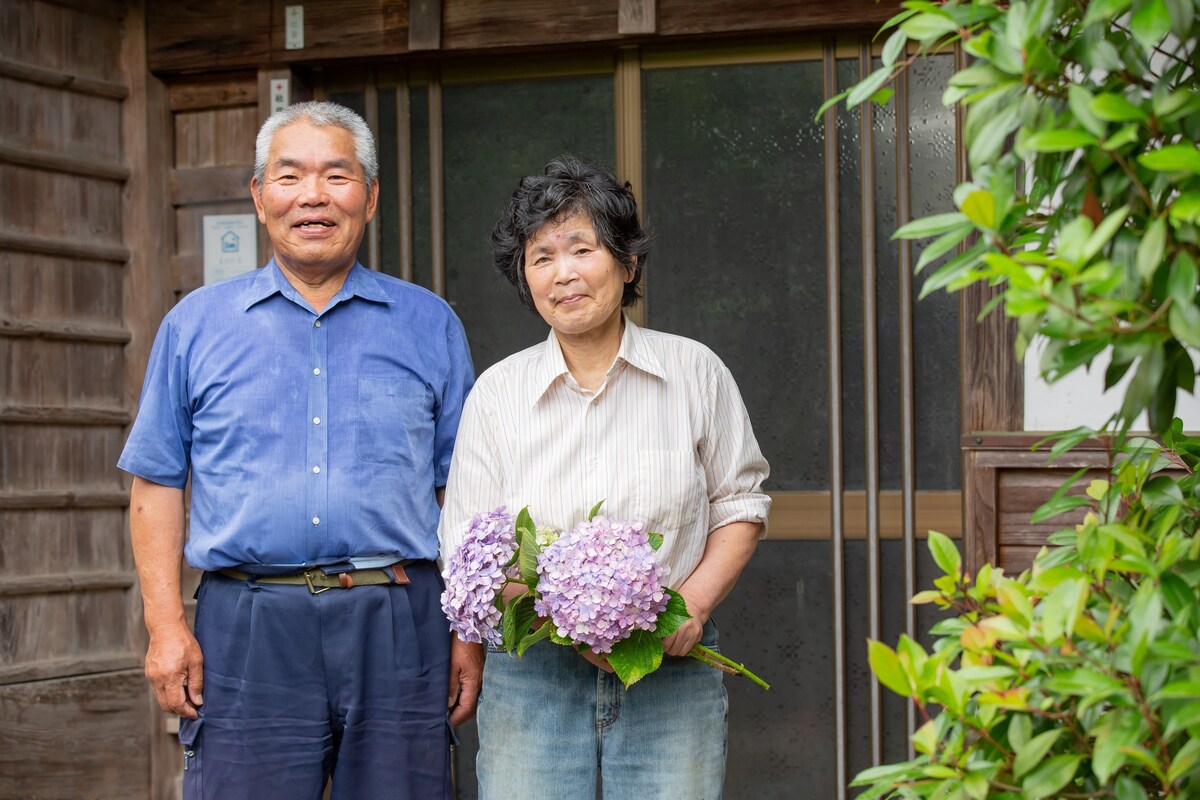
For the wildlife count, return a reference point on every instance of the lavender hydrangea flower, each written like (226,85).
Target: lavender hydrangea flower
(600,582)
(475,573)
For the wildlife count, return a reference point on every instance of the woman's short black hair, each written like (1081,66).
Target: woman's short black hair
(568,186)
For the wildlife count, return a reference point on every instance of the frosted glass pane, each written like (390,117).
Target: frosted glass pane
(734,192)
(493,134)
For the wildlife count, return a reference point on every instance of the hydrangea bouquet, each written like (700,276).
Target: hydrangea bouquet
(599,586)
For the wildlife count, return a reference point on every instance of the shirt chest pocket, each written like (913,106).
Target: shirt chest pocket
(670,491)
(395,421)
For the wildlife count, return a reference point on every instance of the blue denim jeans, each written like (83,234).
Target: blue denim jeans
(550,724)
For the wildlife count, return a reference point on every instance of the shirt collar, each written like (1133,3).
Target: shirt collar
(634,350)
(360,282)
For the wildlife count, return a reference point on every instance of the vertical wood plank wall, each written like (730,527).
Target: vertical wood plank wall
(73,703)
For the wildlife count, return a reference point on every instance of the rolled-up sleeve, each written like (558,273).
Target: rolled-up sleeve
(733,463)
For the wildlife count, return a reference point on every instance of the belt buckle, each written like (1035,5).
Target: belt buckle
(308,578)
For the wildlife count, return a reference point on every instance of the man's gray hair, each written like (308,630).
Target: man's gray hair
(319,113)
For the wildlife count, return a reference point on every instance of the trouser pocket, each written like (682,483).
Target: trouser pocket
(189,740)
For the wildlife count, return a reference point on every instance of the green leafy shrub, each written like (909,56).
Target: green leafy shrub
(1079,678)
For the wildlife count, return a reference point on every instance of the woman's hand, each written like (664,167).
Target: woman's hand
(597,659)
(687,636)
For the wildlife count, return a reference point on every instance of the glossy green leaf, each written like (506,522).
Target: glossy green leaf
(1105,11)
(1150,23)
(1104,233)
(893,47)
(1060,140)
(944,553)
(655,539)
(1184,322)
(933,225)
(1185,760)
(1050,776)
(1080,101)
(928,27)
(828,104)
(1116,108)
(942,245)
(1030,754)
(1187,716)
(1173,158)
(1150,250)
(886,666)
(1118,730)
(868,86)
(980,208)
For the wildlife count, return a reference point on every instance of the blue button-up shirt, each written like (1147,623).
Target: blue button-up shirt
(309,437)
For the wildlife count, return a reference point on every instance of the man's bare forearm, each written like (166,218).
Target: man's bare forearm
(156,529)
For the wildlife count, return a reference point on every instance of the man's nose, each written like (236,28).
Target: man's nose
(312,192)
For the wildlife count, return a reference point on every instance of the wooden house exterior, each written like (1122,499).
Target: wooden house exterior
(123,123)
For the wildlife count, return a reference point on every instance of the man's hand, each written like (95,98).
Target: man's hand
(175,669)
(466,678)
(597,659)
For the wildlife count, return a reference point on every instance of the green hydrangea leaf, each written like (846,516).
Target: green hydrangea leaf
(635,657)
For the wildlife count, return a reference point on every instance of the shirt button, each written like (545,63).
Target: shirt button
(316,520)
(316,470)
(316,420)
(318,323)
(316,370)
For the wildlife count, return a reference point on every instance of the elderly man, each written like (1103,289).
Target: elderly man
(314,404)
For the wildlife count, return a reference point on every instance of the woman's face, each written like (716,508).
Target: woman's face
(576,283)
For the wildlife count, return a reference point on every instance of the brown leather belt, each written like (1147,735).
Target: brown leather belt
(318,581)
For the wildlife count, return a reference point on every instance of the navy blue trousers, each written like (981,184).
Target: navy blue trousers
(298,687)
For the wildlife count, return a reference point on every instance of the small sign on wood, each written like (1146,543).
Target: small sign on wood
(230,246)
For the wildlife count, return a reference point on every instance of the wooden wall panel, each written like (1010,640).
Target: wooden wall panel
(691,17)
(60,373)
(59,290)
(1006,482)
(61,39)
(74,739)
(491,24)
(345,29)
(50,120)
(60,457)
(56,206)
(74,710)
(193,37)
(198,35)
(37,543)
(216,137)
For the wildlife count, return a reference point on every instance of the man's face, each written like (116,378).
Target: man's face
(314,198)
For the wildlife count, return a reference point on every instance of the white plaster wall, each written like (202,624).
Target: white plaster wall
(1079,398)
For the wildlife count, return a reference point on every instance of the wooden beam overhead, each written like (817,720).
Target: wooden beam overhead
(636,17)
(58,79)
(425,25)
(57,162)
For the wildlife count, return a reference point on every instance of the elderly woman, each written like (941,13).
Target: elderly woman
(652,424)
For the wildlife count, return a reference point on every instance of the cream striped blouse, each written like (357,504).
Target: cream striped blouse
(666,440)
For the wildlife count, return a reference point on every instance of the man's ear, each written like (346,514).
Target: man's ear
(373,199)
(256,196)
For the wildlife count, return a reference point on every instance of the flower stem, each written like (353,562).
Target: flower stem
(715,659)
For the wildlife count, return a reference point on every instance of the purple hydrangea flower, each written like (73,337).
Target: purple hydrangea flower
(600,582)
(475,574)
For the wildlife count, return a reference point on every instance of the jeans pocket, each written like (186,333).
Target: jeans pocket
(193,774)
